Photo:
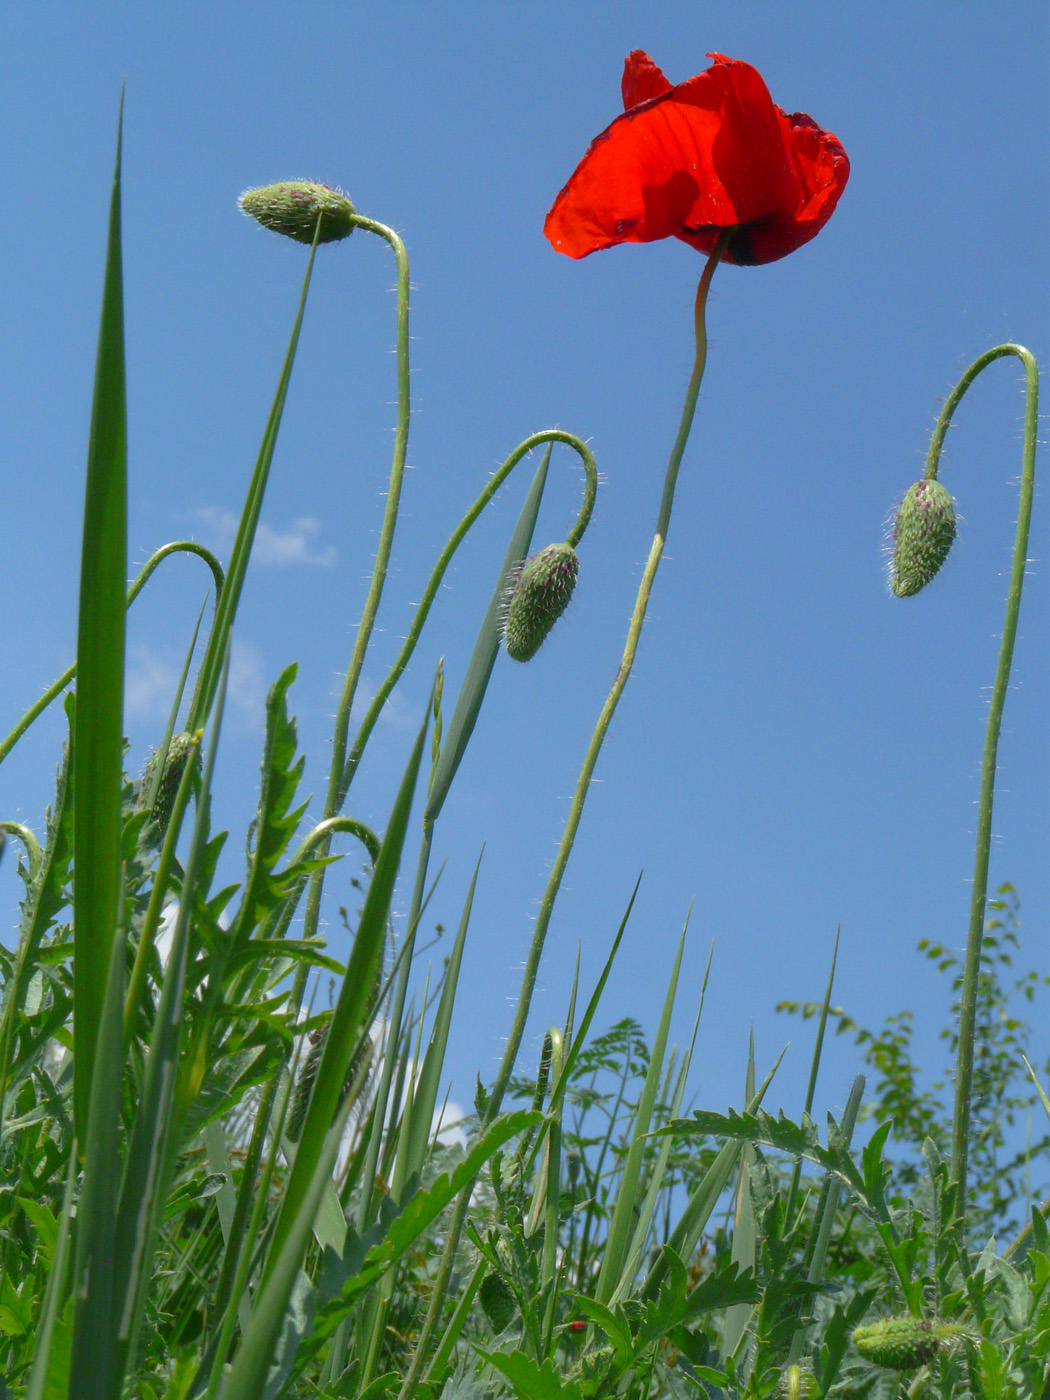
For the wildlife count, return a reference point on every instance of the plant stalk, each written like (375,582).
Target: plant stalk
(979,894)
(561,859)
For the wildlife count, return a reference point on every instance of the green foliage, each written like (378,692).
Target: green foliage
(205,1191)
(1003,1154)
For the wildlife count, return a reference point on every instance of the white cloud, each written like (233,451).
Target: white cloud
(149,687)
(278,547)
(246,688)
(448,1124)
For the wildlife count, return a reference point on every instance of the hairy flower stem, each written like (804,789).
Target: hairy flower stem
(594,748)
(561,860)
(497,479)
(972,964)
(335,795)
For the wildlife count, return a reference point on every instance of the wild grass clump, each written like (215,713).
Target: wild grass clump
(210,1188)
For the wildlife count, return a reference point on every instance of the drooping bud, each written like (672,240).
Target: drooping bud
(898,1343)
(537,598)
(293,208)
(497,1301)
(923,531)
(179,750)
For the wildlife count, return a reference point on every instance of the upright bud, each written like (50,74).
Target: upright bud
(537,598)
(923,531)
(798,1383)
(293,208)
(898,1343)
(179,750)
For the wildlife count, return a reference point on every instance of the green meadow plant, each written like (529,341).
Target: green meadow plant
(210,1187)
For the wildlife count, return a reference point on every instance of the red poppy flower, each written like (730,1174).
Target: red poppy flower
(694,161)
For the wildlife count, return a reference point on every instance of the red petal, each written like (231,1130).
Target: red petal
(707,152)
(641,80)
(709,155)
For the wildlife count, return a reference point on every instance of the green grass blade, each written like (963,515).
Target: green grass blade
(351,1009)
(229,599)
(463,1309)
(99,725)
(93,1370)
(226,1203)
(247,1375)
(656,1182)
(151,1148)
(686,1235)
(624,1213)
(479,669)
(424,1099)
(745,1234)
(561,1082)
(814,1070)
(826,1221)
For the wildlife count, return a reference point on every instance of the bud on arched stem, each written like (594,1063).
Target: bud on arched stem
(972,963)
(345,766)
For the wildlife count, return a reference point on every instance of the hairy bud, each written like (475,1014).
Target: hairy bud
(497,1301)
(923,531)
(537,598)
(898,1343)
(293,208)
(179,750)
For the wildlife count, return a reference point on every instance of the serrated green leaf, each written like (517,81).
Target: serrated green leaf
(613,1323)
(532,1382)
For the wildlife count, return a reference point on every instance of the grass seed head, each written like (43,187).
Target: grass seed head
(923,532)
(537,598)
(293,207)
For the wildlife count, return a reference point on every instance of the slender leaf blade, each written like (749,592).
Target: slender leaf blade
(99,721)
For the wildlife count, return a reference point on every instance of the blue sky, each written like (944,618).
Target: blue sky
(797,750)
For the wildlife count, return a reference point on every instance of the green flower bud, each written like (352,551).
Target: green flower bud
(898,1343)
(179,750)
(537,598)
(923,531)
(292,208)
(798,1383)
(497,1301)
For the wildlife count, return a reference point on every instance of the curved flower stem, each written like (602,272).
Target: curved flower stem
(974,939)
(337,796)
(561,860)
(445,557)
(333,799)
(32,845)
(56,687)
